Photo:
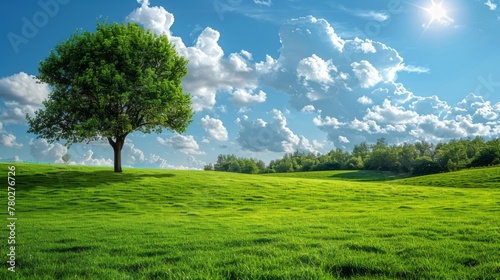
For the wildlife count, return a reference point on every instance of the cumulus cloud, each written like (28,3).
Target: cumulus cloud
(366,46)
(9,141)
(367,75)
(308,109)
(273,136)
(365,100)
(343,139)
(23,89)
(184,144)
(156,19)
(132,155)
(327,121)
(387,113)
(428,105)
(195,163)
(316,69)
(210,72)
(245,97)
(43,151)
(21,94)
(157,161)
(87,158)
(215,128)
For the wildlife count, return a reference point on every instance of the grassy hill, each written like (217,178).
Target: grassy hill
(470,178)
(90,223)
(344,175)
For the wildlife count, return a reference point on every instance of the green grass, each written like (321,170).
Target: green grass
(345,175)
(89,223)
(471,178)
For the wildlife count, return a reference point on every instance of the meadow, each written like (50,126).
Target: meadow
(90,223)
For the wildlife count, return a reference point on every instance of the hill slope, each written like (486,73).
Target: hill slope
(470,178)
(90,223)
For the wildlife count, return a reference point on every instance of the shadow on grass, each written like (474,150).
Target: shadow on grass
(74,249)
(72,179)
(353,271)
(368,176)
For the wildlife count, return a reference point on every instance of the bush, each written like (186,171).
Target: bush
(425,166)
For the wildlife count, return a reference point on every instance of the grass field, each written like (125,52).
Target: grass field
(90,223)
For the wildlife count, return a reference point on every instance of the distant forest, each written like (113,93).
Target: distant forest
(421,158)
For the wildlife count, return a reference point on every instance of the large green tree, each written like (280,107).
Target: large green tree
(109,83)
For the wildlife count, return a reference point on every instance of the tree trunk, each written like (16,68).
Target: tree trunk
(117,145)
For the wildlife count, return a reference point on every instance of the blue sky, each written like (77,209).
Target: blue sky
(269,77)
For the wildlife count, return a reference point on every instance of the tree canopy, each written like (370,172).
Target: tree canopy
(110,83)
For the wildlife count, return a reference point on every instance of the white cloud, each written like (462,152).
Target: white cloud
(43,151)
(315,69)
(21,94)
(245,97)
(414,69)
(132,155)
(215,128)
(195,163)
(367,75)
(209,72)
(387,113)
(365,100)
(159,162)
(275,136)
(184,144)
(308,109)
(327,121)
(9,141)
(23,89)
(263,2)
(491,5)
(87,159)
(157,19)
(366,46)
(343,139)
(429,105)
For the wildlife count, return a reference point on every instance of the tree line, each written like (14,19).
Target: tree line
(420,158)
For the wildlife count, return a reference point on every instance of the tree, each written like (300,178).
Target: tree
(425,149)
(489,155)
(110,83)
(408,154)
(208,167)
(361,150)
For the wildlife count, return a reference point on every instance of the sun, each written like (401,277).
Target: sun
(437,13)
